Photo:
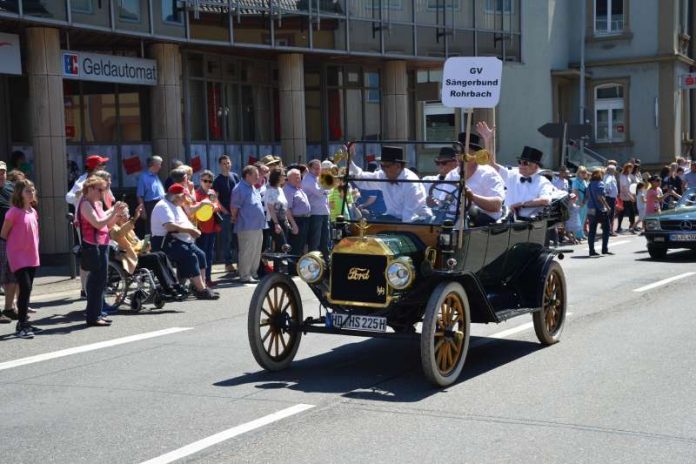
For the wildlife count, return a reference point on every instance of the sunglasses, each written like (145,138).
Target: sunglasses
(442,163)
(387,165)
(206,181)
(524,162)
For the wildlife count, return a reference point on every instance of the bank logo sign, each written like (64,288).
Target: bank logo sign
(10,58)
(109,68)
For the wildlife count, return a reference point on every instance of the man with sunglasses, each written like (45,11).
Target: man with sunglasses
(405,201)
(484,187)
(445,162)
(527,192)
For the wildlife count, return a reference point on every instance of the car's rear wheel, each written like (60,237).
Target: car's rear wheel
(274,318)
(550,320)
(657,252)
(444,339)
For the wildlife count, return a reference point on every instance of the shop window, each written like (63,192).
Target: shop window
(608,17)
(499,6)
(610,124)
(82,6)
(197,110)
(45,9)
(129,10)
(438,123)
(10,6)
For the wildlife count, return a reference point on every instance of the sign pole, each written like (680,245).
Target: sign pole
(462,175)
(564,144)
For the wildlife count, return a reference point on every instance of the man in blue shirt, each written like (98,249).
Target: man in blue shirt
(150,189)
(249,219)
(223,185)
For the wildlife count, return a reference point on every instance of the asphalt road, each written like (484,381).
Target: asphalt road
(618,388)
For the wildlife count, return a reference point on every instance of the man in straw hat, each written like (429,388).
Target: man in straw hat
(528,192)
(405,201)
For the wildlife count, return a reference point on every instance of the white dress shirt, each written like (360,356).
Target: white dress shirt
(404,200)
(486,182)
(76,190)
(519,192)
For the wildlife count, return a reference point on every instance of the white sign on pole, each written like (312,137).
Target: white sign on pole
(688,81)
(10,57)
(472,82)
(109,68)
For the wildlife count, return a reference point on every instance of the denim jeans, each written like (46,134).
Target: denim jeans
(96,284)
(599,218)
(228,241)
(206,242)
(319,234)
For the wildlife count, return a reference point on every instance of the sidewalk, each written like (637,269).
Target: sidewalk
(56,280)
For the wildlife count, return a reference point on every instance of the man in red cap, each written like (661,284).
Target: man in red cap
(173,233)
(92,163)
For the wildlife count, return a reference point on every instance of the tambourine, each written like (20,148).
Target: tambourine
(204,213)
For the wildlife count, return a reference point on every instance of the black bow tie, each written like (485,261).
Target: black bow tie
(526,179)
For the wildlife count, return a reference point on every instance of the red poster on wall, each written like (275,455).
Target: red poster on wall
(132,165)
(196,164)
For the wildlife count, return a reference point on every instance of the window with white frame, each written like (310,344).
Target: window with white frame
(608,17)
(610,125)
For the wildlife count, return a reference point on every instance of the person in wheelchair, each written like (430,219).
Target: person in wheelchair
(137,254)
(174,234)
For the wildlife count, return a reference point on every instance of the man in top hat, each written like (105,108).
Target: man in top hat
(445,162)
(484,187)
(527,192)
(404,200)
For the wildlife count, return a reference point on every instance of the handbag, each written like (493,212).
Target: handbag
(89,258)
(619,205)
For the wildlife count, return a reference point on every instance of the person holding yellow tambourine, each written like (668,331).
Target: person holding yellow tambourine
(205,216)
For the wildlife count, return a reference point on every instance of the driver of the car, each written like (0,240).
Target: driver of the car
(484,187)
(404,200)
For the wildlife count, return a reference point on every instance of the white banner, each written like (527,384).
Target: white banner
(109,68)
(10,56)
(472,82)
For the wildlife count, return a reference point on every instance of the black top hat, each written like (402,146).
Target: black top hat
(532,155)
(446,154)
(392,155)
(474,141)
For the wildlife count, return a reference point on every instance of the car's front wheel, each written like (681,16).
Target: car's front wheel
(657,252)
(550,319)
(444,339)
(275,314)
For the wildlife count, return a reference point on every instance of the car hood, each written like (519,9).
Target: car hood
(682,214)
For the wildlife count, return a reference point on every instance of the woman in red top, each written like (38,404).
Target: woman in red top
(209,228)
(94,229)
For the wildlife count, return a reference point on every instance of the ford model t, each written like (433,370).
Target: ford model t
(428,277)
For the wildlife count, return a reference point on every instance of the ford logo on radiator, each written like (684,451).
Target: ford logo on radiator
(358,273)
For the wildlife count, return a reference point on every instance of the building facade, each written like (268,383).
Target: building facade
(195,79)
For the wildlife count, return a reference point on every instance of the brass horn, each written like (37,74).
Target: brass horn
(328,178)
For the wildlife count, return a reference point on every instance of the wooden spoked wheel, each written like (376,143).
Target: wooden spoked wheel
(445,335)
(275,314)
(550,320)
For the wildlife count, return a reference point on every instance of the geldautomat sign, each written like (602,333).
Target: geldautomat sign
(109,68)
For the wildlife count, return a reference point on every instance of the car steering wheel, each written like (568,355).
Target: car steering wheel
(443,208)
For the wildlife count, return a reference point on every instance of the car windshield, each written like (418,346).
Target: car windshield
(402,201)
(688,199)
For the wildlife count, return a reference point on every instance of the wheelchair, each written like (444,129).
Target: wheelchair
(135,290)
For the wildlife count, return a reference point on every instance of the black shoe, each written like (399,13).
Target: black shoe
(206,295)
(83,294)
(607,252)
(99,323)
(11,314)
(594,253)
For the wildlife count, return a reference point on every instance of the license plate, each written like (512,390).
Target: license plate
(364,323)
(682,237)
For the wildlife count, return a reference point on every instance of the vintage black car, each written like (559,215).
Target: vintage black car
(673,228)
(427,279)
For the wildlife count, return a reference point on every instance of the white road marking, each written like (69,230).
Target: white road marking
(505,333)
(620,242)
(663,282)
(227,434)
(91,347)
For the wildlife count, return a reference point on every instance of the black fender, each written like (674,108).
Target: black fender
(530,284)
(481,309)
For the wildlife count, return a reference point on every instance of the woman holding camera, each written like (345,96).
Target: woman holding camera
(598,212)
